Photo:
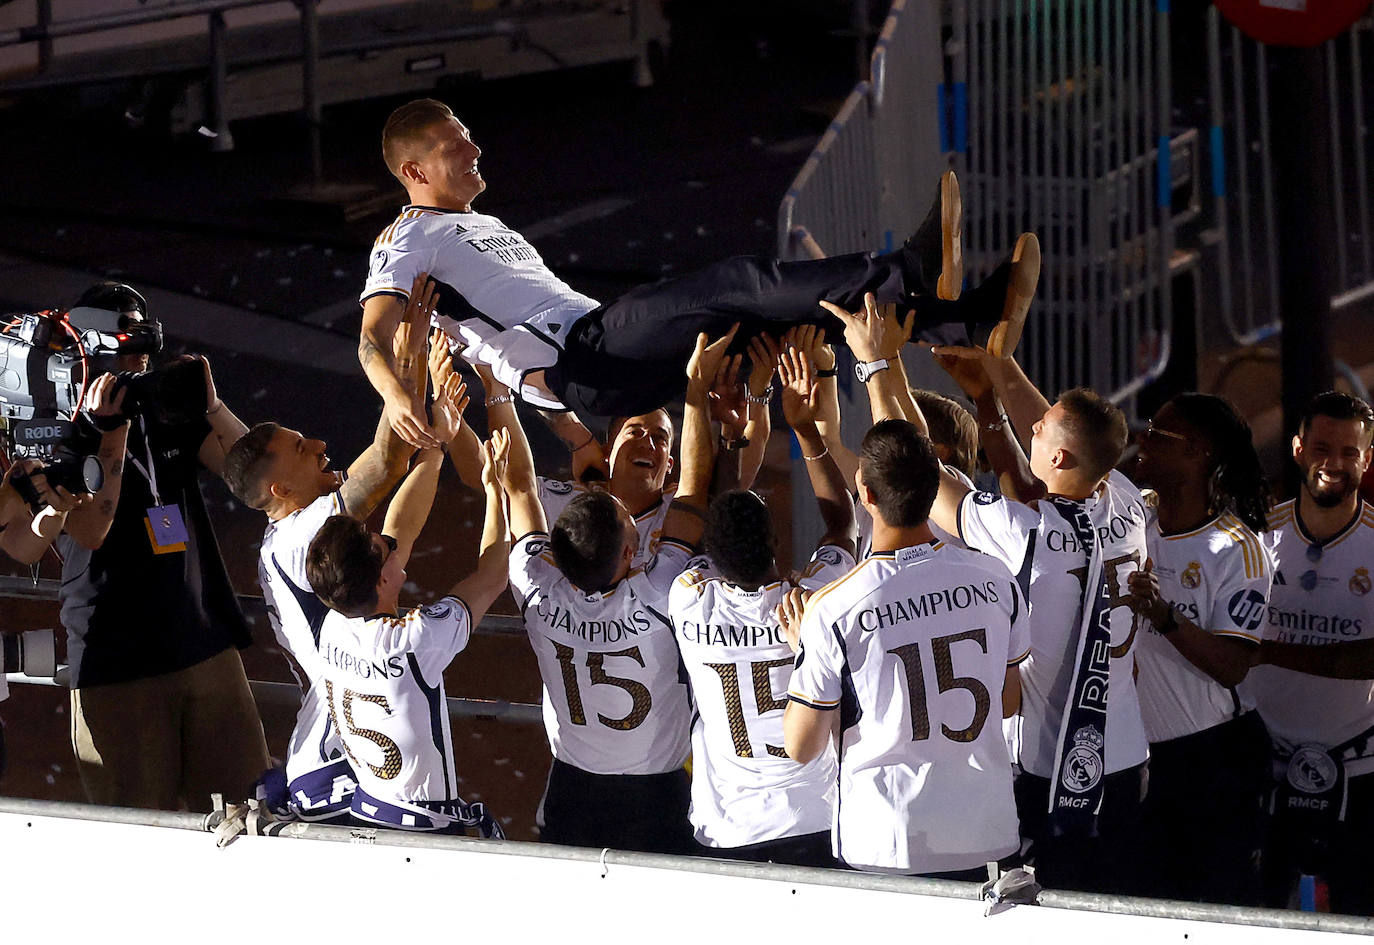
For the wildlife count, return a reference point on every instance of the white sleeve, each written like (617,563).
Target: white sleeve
(997,526)
(828,563)
(652,582)
(438,632)
(531,567)
(818,668)
(391,270)
(1241,600)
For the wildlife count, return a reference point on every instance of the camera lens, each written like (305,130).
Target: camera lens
(92,474)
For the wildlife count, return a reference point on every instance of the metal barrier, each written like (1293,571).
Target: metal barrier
(1243,177)
(288,694)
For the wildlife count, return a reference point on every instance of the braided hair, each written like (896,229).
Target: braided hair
(1236,481)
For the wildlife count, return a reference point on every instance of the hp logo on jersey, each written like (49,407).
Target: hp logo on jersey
(1246,608)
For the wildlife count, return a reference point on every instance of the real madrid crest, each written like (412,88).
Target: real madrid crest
(1359,582)
(1083,766)
(1191,576)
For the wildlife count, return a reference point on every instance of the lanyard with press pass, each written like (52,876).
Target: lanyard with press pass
(166,527)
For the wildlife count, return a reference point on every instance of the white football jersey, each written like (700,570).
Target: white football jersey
(912,647)
(384,682)
(744,787)
(1041,548)
(296,615)
(1218,577)
(495,293)
(555,494)
(864,522)
(615,698)
(1296,707)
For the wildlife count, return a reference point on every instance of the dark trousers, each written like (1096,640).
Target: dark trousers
(645,812)
(1101,863)
(629,356)
(1203,818)
(1341,856)
(812,849)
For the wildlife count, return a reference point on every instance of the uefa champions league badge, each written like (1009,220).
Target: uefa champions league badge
(1083,766)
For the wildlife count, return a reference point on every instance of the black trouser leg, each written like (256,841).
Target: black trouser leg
(629,356)
(1104,863)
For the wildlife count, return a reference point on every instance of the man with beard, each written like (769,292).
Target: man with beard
(1323,547)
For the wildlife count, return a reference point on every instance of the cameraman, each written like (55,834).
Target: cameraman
(162,715)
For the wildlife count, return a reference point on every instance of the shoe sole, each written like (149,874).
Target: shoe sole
(1021,283)
(951,280)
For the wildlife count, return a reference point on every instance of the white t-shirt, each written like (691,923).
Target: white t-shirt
(1296,707)
(744,787)
(1041,548)
(555,494)
(495,293)
(296,615)
(1218,577)
(913,647)
(384,681)
(615,701)
(864,522)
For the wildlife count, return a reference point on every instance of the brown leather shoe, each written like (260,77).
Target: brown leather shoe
(1021,283)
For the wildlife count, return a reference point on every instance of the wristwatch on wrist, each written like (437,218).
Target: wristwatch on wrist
(995,425)
(866,369)
(733,445)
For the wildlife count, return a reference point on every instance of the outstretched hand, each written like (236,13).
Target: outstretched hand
(873,334)
(410,333)
(811,340)
(496,460)
(450,400)
(728,406)
(705,361)
(763,357)
(800,403)
(968,366)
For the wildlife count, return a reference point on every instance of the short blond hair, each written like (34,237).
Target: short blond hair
(408,127)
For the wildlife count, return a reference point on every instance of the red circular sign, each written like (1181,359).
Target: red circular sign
(1292,22)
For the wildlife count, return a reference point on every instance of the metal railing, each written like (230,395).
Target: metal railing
(266,692)
(1243,181)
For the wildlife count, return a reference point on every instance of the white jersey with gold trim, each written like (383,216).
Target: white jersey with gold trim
(496,294)
(1339,606)
(912,647)
(1217,576)
(555,494)
(296,615)
(1041,548)
(384,682)
(615,697)
(745,789)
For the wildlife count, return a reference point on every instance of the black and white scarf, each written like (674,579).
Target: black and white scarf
(1080,753)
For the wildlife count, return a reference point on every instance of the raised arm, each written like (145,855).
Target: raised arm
(868,334)
(1349,660)
(763,353)
(410,507)
(686,516)
(800,407)
(382,317)
(517,471)
(810,340)
(89,524)
(225,426)
(968,366)
(480,589)
(1023,400)
(464,447)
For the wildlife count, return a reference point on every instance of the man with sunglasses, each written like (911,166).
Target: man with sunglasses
(1323,729)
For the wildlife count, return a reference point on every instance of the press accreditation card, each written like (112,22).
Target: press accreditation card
(166,529)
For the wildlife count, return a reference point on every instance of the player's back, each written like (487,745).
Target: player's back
(745,790)
(384,686)
(614,700)
(923,636)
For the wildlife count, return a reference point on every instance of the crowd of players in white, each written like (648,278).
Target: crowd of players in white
(979,676)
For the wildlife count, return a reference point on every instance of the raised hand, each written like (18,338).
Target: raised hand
(105,398)
(810,339)
(865,331)
(496,459)
(763,357)
(705,360)
(410,334)
(728,406)
(450,400)
(968,366)
(800,402)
